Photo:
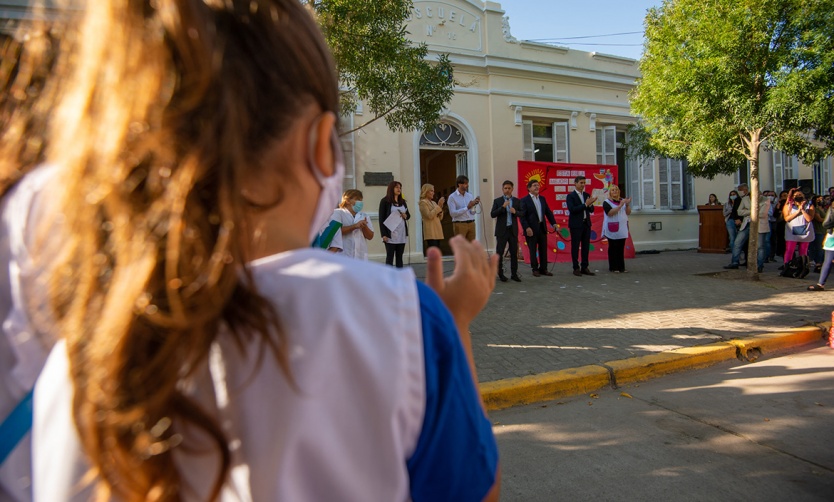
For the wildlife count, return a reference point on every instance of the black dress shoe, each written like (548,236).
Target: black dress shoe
(731,267)
(502,277)
(549,274)
(577,273)
(516,278)
(536,273)
(585,271)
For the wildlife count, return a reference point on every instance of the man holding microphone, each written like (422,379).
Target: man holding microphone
(462,209)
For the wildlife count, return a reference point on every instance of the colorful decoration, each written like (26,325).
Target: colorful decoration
(556,180)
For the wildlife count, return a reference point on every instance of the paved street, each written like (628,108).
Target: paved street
(668,300)
(734,432)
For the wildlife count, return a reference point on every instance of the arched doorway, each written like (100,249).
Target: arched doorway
(444,155)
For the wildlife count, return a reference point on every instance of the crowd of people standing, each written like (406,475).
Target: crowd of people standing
(794,226)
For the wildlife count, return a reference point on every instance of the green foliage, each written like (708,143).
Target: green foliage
(380,66)
(719,77)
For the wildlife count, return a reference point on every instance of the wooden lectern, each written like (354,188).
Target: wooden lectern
(712,233)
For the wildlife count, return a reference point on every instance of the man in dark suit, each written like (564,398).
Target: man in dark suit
(506,209)
(580,206)
(534,217)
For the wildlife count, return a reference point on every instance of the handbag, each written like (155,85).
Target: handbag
(800,230)
(614,226)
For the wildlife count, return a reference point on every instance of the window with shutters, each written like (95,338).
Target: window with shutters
(672,183)
(641,182)
(348,142)
(606,145)
(778,172)
(548,142)
(789,166)
(826,174)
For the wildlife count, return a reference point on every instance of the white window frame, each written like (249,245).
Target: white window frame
(561,146)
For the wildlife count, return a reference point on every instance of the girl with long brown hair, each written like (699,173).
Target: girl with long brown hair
(209,353)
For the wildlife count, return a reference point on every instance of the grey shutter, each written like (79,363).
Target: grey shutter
(561,150)
(527,139)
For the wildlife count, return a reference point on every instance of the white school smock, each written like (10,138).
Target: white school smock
(354,243)
(386,411)
(621,217)
(23,352)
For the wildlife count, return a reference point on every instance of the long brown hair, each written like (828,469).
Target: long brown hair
(27,58)
(390,196)
(167,105)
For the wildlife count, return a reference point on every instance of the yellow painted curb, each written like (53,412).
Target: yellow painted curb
(502,394)
(750,348)
(642,368)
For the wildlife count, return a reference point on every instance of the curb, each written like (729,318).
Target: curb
(509,392)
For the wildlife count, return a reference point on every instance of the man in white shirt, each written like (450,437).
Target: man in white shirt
(462,209)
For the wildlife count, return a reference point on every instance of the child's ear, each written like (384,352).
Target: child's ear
(322,146)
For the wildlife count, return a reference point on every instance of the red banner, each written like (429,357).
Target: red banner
(556,182)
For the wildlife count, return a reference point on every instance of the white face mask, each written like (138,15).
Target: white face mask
(331,187)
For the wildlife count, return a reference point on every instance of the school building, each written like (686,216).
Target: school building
(518,100)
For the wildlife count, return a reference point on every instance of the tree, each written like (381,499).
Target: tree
(722,77)
(379,65)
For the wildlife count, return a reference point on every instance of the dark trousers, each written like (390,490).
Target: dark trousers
(501,242)
(616,255)
(392,250)
(538,244)
(580,235)
(432,243)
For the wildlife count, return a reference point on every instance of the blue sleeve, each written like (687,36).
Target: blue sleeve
(456,457)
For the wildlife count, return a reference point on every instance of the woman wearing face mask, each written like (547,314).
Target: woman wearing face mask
(799,229)
(356,225)
(208,352)
(432,213)
(394,234)
(732,228)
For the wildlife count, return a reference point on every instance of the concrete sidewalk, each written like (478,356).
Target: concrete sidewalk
(549,337)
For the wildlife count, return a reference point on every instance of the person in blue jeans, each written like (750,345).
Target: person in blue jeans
(764,232)
(732,228)
(828,247)
(741,217)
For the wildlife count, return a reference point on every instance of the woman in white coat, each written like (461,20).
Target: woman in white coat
(615,228)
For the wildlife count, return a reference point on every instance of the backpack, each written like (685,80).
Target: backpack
(797,268)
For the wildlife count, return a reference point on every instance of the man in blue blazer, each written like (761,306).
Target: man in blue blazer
(580,206)
(506,209)
(535,214)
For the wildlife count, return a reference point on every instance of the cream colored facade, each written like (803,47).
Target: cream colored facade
(509,91)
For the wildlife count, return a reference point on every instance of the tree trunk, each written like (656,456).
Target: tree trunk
(753,239)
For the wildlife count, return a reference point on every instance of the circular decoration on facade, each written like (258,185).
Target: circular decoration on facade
(443,136)
(560,245)
(565,233)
